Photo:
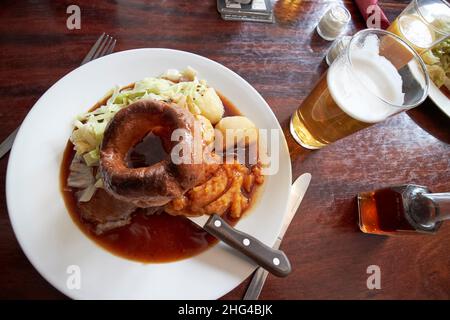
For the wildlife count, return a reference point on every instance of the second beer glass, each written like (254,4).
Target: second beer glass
(423,23)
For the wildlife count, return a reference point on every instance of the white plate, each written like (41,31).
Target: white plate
(439,98)
(51,240)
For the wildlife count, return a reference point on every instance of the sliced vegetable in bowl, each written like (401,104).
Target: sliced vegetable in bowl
(438,64)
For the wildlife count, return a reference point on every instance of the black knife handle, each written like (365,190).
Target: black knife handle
(274,261)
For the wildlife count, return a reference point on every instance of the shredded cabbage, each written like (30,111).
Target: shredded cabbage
(81,177)
(437,74)
(438,63)
(182,88)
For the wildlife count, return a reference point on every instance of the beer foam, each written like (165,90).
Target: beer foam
(358,91)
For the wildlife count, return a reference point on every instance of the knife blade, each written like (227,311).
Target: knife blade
(271,259)
(298,191)
(8,142)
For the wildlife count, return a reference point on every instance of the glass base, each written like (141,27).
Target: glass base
(298,138)
(323,36)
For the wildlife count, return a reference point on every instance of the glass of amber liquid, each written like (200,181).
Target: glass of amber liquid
(363,86)
(423,23)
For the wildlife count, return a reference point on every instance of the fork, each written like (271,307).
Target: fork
(103,46)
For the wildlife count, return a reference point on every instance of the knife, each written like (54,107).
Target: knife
(8,142)
(298,191)
(271,259)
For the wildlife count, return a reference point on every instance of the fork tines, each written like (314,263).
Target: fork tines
(103,46)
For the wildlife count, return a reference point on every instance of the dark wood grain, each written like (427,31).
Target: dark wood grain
(282,61)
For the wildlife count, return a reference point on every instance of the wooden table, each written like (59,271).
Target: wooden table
(282,61)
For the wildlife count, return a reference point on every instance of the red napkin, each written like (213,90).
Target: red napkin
(369,15)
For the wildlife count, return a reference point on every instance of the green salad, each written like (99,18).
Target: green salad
(438,64)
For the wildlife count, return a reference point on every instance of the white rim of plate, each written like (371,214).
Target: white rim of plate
(35,109)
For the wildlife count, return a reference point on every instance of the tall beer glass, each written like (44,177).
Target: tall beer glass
(423,23)
(361,87)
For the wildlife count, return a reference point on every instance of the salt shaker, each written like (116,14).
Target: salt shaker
(333,22)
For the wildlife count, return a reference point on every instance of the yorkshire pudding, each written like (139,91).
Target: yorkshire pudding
(157,184)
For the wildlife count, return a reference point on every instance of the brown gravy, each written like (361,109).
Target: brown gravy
(148,238)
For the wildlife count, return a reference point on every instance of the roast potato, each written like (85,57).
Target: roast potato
(237,130)
(210,105)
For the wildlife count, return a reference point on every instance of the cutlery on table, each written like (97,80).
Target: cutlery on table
(298,191)
(103,46)
(271,259)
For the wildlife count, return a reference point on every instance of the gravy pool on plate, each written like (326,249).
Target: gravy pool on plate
(158,236)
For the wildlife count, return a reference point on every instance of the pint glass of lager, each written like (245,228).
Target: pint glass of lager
(362,87)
